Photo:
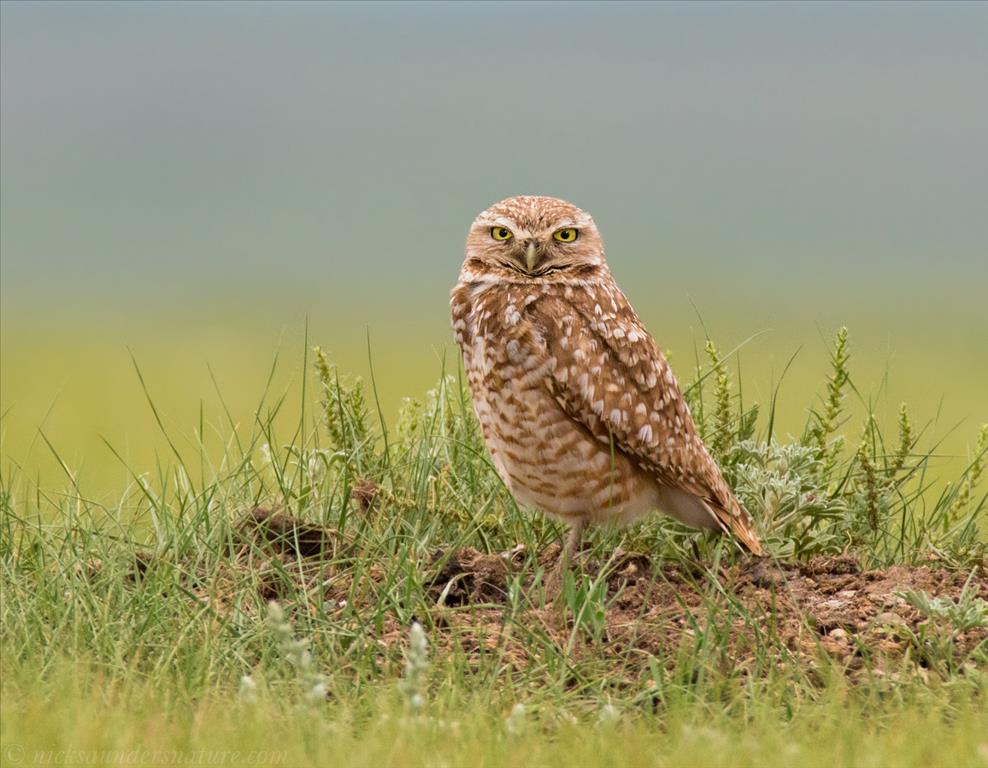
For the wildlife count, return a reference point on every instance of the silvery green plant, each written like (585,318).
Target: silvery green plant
(781,485)
(935,640)
(416,668)
(968,612)
(296,651)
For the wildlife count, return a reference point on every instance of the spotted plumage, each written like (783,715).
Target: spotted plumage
(581,412)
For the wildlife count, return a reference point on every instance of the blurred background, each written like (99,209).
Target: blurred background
(197,182)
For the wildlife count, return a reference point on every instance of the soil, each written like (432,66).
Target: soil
(822,612)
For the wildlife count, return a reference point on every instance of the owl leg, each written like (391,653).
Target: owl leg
(572,545)
(554,583)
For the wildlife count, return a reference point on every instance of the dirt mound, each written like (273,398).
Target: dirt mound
(828,603)
(744,615)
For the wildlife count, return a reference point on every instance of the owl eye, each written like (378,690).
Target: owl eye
(567,235)
(501,233)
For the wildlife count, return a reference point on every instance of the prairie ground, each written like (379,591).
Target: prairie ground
(367,593)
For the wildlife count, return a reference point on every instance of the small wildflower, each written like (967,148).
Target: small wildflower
(265,451)
(276,618)
(248,689)
(296,651)
(514,723)
(416,667)
(608,715)
(316,462)
(316,693)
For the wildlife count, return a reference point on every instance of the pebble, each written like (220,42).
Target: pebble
(889,619)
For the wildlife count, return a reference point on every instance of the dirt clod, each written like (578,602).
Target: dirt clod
(285,533)
(364,493)
(466,575)
(766,574)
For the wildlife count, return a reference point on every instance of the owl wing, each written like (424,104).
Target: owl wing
(608,374)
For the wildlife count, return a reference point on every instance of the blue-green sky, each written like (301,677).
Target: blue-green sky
(150,148)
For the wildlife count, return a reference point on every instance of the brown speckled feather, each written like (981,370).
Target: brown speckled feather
(624,391)
(581,412)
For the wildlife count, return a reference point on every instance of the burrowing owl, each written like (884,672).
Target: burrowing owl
(580,410)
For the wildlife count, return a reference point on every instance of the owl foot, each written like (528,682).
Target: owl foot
(554,581)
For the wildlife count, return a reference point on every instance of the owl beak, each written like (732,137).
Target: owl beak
(531,257)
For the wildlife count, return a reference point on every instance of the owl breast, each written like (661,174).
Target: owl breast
(546,459)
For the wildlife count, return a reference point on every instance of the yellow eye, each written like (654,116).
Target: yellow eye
(567,235)
(501,233)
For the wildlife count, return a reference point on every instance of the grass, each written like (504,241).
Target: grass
(158,625)
(939,729)
(71,373)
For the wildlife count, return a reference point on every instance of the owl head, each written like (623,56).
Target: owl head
(529,238)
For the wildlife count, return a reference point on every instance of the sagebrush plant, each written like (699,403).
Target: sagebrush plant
(161,588)
(935,639)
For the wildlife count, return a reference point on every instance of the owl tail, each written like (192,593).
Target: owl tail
(707,512)
(734,519)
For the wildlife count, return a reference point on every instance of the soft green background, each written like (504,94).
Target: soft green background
(193,181)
